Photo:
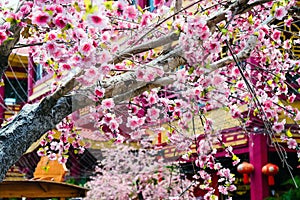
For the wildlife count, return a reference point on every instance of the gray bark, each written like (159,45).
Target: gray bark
(28,126)
(6,48)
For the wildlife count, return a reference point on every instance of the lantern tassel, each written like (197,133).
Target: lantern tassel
(246,179)
(271,180)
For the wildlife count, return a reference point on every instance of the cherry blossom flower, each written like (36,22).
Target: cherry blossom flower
(287,44)
(214,47)
(41,152)
(52,156)
(292,143)
(135,122)
(113,125)
(98,21)
(60,21)
(3,36)
(140,74)
(62,159)
(280,12)
(153,113)
(297,118)
(145,18)
(108,103)
(86,48)
(119,7)
(105,69)
(41,18)
(54,145)
(276,35)
(288,22)
(130,12)
(99,92)
(91,75)
(104,57)
(278,127)
(291,98)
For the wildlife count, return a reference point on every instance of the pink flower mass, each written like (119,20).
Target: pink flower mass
(205,79)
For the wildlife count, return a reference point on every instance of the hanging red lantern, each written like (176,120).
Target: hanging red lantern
(270,170)
(245,168)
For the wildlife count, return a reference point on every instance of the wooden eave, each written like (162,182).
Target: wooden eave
(40,189)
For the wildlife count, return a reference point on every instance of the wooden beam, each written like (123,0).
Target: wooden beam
(40,189)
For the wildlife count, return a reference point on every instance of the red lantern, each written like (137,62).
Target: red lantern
(270,170)
(245,169)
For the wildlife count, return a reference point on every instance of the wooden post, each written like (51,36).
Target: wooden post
(258,154)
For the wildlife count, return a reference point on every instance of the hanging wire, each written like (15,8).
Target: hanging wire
(267,124)
(16,92)
(17,80)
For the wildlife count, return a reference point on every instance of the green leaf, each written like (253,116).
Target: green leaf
(234,157)
(67,27)
(224,31)
(140,9)
(191,70)
(289,133)
(76,6)
(108,5)
(250,20)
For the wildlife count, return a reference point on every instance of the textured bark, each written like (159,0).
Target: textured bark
(36,119)
(28,126)
(6,48)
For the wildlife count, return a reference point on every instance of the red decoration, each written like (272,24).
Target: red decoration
(270,170)
(245,168)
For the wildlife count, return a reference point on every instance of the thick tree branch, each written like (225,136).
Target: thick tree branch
(36,119)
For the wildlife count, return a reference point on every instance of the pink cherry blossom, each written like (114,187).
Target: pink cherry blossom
(41,152)
(278,127)
(104,56)
(276,35)
(297,118)
(140,75)
(214,47)
(41,18)
(98,21)
(130,12)
(291,98)
(114,125)
(60,21)
(91,72)
(218,80)
(134,122)
(86,48)
(52,156)
(280,12)
(62,159)
(108,103)
(292,143)
(153,113)
(3,36)
(99,92)
(288,22)
(287,44)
